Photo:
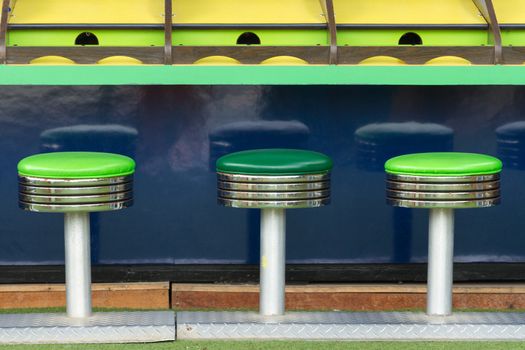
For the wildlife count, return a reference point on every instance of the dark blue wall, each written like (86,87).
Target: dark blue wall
(181,131)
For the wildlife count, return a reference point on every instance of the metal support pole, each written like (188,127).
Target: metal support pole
(273,242)
(440,261)
(78,264)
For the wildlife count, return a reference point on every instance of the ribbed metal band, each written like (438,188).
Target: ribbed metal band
(442,179)
(407,203)
(73,200)
(53,182)
(446,196)
(239,203)
(270,187)
(64,191)
(273,178)
(273,195)
(443,191)
(68,208)
(287,191)
(443,187)
(75,195)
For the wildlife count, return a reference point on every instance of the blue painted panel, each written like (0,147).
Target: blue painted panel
(176,133)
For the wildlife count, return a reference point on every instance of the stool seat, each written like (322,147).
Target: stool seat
(443,164)
(63,182)
(274,162)
(274,178)
(76,165)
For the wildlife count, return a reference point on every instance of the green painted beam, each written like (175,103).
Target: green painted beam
(261,75)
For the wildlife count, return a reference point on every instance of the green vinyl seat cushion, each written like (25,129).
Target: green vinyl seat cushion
(274,162)
(443,164)
(77,165)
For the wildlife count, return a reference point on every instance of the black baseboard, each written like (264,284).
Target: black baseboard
(318,273)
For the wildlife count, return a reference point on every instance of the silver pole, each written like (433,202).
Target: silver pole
(273,241)
(78,264)
(440,261)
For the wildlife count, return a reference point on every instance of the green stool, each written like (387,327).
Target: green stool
(76,183)
(442,182)
(273,180)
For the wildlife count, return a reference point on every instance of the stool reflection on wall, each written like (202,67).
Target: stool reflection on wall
(511,144)
(76,183)
(377,142)
(273,180)
(111,138)
(442,182)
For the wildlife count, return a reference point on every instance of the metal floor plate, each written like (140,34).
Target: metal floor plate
(103,327)
(352,326)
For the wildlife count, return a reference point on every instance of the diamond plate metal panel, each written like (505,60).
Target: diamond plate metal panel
(104,327)
(351,326)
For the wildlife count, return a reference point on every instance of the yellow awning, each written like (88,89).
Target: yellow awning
(151,11)
(407,11)
(88,11)
(260,11)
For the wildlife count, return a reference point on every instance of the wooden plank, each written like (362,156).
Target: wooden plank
(353,288)
(107,295)
(486,8)
(329,14)
(251,54)
(4,17)
(168,28)
(85,54)
(416,54)
(256,54)
(365,297)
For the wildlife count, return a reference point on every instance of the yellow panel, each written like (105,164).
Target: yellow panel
(284,61)
(119,61)
(510,11)
(448,61)
(382,61)
(247,11)
(51,60)
(408,11)
(217,61)
(88,11)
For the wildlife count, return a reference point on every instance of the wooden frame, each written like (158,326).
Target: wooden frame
(256,54)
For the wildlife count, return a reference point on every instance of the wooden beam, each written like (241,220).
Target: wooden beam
(85,54)
(416,54)
(329,14)
(168,29)
(486,7)
(106,295)
(256,54)
(4,18)
(366,297)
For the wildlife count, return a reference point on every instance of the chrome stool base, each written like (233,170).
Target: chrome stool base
(272,194)
(76,198)
(442,194)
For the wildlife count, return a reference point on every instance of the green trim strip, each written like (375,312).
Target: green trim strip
(261,75)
